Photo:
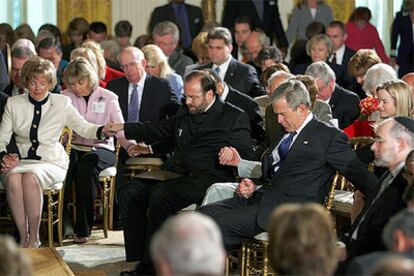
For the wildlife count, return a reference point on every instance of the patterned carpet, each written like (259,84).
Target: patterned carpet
(99,256)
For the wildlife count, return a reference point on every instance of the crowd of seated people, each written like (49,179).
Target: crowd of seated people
(244,125)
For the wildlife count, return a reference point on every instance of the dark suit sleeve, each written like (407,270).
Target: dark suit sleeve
(256,88)
(342,158)
(240,137)
(229,14)
(161,131)
(278,28)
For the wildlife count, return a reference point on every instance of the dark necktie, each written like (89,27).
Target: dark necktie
(21,91)
(182,20)
(133,107)
(334,58)
(217,70)
(259,8)
(284,148)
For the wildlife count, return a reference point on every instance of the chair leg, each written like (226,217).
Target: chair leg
(227,269)
(105,206)
(50,219)
(247,260)
(265,260)
(111,203)
(60,217)
(243,258)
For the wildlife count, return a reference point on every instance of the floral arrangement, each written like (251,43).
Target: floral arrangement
(368,106)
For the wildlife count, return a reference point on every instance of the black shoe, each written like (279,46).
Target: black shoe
(139,269)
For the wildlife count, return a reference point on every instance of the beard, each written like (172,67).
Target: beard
(385,159)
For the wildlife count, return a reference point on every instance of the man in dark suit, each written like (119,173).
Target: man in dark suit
(263,14)
(20,55)
(299,169)
(154,99)
(341,54)
(344,103)
(166,36)
(244,102)
(398,236)
(395,139)
(196,134)
(4,76)
(242,29)
(403,32)
(188,17)
(241,77)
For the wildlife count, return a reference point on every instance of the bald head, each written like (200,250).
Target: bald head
(276,79)
(255,43)
(409,79)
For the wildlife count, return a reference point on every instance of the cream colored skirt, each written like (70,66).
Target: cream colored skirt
(48,174)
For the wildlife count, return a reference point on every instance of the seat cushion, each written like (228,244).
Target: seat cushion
(343,201)
(264,236)
(111,171)
(144,161)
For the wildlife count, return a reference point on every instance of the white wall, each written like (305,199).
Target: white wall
(138,12)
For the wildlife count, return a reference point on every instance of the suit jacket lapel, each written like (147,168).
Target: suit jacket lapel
(230,71)
(334,98)
(123,97)
(146,98)
(304,139)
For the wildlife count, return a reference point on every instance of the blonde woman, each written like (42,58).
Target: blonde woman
(157,65)
(36,119)
(105,73)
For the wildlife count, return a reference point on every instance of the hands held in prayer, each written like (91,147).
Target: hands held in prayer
(246,188)
(229,156)
(140,148)
(112,128)
(8,162)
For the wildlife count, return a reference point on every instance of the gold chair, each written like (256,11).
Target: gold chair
(343,200)
(106,192)
(253,253)
(53,198)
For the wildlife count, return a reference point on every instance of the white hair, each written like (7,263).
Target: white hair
(377,75)
(191,244)
(322,71)
(24,43)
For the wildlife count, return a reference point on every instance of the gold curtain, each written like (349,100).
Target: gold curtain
(91,10)
(341,9)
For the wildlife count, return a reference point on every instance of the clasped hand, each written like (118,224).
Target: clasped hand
(229,156)
(246,188)
(112,128)
(8,162)
(138,149)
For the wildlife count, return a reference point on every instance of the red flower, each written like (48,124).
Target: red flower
(368,106)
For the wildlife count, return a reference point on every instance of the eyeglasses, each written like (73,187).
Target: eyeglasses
(131,64)
(193,98)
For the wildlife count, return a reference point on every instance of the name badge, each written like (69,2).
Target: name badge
(98,107)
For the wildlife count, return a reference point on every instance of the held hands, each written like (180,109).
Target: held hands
(112,128)
(140,148)
(246,188)
(229,156)
(8,162)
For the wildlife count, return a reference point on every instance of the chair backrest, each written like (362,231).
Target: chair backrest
(359,142)
(66,139)
(8,57)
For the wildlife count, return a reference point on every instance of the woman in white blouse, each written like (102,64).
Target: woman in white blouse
(36,119)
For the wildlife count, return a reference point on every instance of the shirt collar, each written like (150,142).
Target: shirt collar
(223,67)
(397,169)
(210,105)
(141,81)
(307,120)
(225,93)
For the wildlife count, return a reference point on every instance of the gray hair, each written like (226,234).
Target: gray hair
(191,244)
(295,93)
(24,43)
(138,54)
(112,47)
(404,221)
(278,74)
(398,131)
(22,52)
(166,28)
(319,38)
(322,71)
(377,75)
